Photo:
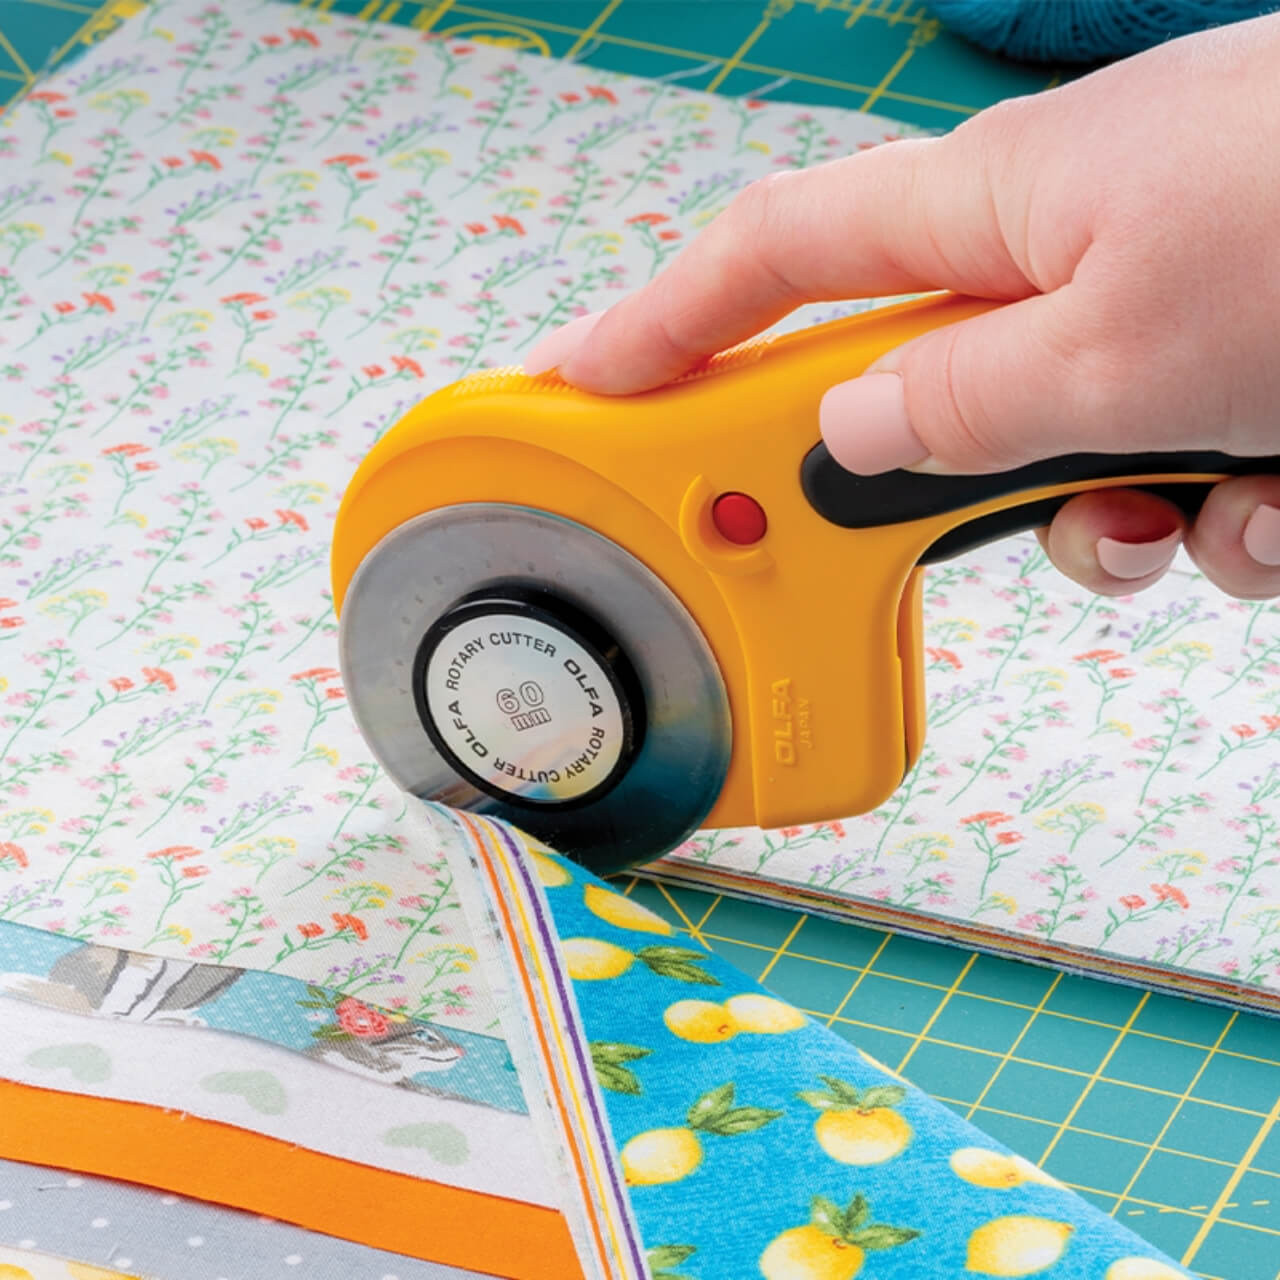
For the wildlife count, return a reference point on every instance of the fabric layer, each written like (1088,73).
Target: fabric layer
(115,1226)
(266,1090)
(431,1221)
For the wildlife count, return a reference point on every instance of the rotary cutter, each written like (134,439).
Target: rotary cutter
(612,621)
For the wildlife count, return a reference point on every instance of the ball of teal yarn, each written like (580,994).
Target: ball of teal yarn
(1085,30)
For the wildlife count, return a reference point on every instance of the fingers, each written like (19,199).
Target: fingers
(1118,541)
(1236,538)
(1114,541)
(908,216)
(1005,388)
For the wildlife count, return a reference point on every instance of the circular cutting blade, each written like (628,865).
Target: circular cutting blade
(504,660)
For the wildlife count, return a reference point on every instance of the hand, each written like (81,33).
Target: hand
(1130,219)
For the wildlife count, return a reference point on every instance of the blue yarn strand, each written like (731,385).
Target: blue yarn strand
(1085,30)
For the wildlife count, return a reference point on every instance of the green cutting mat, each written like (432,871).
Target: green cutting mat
(1164,1112)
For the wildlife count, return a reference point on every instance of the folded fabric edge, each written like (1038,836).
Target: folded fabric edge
(516,875)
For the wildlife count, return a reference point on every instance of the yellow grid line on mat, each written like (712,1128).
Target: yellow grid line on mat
(1128,1204)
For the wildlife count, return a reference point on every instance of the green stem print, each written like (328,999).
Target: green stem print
(1158,824)
(1244,737)
(1182,658)
(363,95)
(113,791)
(243,912)
(306,269)
(1069,891)
(154,373)
(254,619)
(55,672)
(252,817)
(417,227)
(348,855)
(1028,608)
(113,158)
(214,26)
(193,504)
(1161,626)
(1264,655)
(178,876)
(206,774)
(505,161)
(584,188)
(1240,872)
(1006,739)
(159,607)
(262,230)
(513,90)
(899,806)
(1056,783)
(1075,820)
(1105,676)
(67,399)
(1177,715)
(995,847)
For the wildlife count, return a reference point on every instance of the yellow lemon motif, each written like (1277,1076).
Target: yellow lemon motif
(862,1137)
(1017,1246)
(81,1271)
(10,1272)
(550,872)
(660,1155)
(1142,1269)
(763,1015)
(991,1169)
(700,1021)
(623,913)
(590,958)
(808,1253)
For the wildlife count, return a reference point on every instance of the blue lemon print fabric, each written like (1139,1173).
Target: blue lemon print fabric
(756,1143)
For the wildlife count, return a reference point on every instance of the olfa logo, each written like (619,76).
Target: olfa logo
(791,727)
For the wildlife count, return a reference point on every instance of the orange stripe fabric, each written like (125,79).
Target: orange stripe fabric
(224,1165)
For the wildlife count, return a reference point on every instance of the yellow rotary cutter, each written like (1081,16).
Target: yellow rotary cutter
(613,621)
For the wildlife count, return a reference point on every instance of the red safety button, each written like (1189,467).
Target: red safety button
(739,519)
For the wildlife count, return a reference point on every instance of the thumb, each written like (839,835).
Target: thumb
(1010,386)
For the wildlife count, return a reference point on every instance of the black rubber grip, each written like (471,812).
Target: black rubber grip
(899,497)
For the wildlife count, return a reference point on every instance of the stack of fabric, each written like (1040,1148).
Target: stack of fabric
(263,1015)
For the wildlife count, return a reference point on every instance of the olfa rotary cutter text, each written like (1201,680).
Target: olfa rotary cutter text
(613,621)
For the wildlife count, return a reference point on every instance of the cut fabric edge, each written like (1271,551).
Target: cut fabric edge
(218,1164)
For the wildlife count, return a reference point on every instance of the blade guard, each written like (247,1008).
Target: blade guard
(817,627)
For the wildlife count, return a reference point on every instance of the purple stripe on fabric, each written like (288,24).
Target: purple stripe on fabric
(549,940)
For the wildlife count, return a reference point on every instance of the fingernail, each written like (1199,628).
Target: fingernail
(1262,536)
(560,344)
(864,423)
(1130,560)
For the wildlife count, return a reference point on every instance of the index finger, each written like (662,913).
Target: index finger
(905,216)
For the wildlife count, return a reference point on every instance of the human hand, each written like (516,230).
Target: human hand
(1130,219)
